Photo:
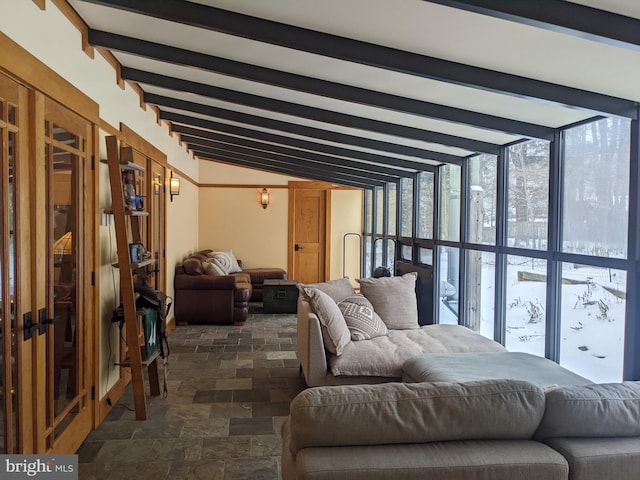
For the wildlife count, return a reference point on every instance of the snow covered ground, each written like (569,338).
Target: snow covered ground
(592,314)
(591,324)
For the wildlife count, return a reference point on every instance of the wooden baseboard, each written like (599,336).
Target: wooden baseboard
(107,402)
(171,324)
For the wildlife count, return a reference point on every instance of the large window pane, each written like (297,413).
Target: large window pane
(596,188)
(378,252)
(391,253)
(367,243)
(525,304)
(392,210)
(368,209)
(425,204)
(480,280)
(528,205)
(406,253)
(379,200)
(449,284)
(450,202)
(593,321)
(483,178)
(406,215)
(425,256)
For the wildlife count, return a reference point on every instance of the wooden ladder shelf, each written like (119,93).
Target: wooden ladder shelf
(127,229)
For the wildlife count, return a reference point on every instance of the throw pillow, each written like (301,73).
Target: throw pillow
(338,289)
(394,299)
(335,333)
(222,260)
(235,266)
(363,322)
(210,268)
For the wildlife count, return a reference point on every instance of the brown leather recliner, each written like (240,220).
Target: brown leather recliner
(202,298)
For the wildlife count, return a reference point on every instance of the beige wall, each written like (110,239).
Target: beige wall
(182,228)
(346,217)
(231,218)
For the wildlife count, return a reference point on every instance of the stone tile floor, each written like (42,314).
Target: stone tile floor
(229,391)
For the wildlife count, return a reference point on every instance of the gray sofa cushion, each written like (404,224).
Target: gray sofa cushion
(337,289)
(600,458)
(394,299)
(466,367)
(383,356)
(458,460)
(598,410)
(414,413)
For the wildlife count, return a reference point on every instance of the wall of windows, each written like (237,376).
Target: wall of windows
(531,246)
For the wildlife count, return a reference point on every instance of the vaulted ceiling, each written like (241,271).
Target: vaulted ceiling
(361,92)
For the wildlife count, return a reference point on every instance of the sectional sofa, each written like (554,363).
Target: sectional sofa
(218,292)
(482,430)
(328,353)
(390,399)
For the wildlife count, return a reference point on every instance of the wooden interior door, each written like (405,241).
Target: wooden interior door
(309,229)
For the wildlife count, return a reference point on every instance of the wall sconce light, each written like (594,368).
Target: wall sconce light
(174,186)
(264,198)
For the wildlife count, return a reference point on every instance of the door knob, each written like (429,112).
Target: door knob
(297,247)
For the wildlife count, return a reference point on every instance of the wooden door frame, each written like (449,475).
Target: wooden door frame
(312,185)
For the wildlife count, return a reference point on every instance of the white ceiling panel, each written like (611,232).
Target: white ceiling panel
(505,102)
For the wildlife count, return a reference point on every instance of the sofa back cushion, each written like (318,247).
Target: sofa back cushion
(337,289)
(394,299)
(392,413)
(598,410)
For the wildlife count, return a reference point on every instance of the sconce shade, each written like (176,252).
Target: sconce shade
(174,186)
(264,198)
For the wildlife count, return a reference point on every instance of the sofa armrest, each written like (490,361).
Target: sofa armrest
(205,282)
(311,351)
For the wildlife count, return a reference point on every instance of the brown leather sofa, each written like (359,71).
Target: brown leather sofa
(257,276)
(202,298)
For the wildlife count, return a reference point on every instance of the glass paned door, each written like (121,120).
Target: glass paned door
(68,417)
